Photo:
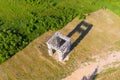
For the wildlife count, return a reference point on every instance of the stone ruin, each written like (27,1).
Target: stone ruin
(59,43)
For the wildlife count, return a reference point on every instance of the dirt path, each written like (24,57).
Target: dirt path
(88,70)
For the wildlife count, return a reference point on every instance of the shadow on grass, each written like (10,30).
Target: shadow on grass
(92,76)
(82,28)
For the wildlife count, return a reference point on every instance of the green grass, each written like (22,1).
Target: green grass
(117,45)
(109,74)
(21,21)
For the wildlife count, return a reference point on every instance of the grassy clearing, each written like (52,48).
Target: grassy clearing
(21,21)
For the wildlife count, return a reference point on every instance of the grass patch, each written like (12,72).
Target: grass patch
(116,46)
(109,74)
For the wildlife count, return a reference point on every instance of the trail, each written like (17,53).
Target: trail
(92,68)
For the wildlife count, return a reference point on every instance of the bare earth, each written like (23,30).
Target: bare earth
(93,68)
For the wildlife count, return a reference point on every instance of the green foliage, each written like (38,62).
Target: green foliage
(21,21)
(12,41)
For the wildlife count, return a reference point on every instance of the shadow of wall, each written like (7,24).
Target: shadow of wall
(82,33)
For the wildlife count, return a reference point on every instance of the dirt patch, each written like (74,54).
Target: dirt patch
(88,69)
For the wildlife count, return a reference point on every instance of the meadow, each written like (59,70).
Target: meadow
(21,21)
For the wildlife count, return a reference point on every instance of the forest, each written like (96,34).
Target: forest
(21,21)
